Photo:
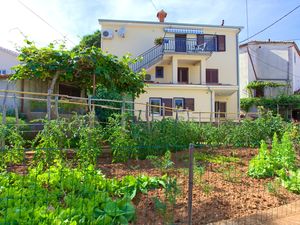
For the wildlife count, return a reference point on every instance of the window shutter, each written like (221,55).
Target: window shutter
(189,103)
(200,39)
(212,76)
(168,103)
(221,43)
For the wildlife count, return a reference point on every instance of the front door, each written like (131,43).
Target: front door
(183,75)
(220,109)
(180,42)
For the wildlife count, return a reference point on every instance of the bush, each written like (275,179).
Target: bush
(268,163)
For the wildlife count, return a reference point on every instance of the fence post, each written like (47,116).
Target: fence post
(147,115)
(188,114)
(199,118)
(191,178)
(16,110)
(4,104)
(3,114)
(123,112)
(90,103)
(176,115)
(56,107)
(139,117)
(164,110)
(49,105)
(219,118)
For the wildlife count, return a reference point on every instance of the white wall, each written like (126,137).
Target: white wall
(271,61)
(296,69)
(7,60)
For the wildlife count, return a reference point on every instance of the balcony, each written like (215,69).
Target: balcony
(188,45)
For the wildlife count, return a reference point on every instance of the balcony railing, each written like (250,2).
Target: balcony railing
(187,45)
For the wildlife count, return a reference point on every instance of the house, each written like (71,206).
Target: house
(189,66)
(270,61)
(8,59)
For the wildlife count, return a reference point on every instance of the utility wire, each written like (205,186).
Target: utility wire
(259,32)
(154,6)
(64,36)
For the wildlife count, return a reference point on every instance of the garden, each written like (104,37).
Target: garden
(76,171)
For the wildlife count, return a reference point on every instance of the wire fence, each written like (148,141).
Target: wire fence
(192,185)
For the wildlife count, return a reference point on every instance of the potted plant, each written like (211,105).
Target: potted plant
(158,41)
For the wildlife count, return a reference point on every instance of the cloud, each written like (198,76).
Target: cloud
(75,18)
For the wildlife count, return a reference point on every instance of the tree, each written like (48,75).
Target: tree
(79,66)
(90,40)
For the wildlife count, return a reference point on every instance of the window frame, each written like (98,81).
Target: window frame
(178,98)
(150,104)
(159,68)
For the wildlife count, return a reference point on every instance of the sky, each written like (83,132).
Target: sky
(72,19)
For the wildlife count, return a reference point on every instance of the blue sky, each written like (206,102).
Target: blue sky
(75,18)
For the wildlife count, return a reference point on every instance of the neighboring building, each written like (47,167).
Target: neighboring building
(8,59)
(193,66)
(272,61)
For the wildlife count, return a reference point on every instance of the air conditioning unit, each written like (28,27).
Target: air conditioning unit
(107,34)
(149,78)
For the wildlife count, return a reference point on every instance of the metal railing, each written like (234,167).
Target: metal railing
(186,45)
(148,58)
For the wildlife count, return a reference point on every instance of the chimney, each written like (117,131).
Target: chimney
(222,24)
(161,15)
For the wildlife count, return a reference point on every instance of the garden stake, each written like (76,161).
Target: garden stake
(191,175)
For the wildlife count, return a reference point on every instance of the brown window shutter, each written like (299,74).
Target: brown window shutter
(189,103)
(212,76)
(168,104)
(221,43)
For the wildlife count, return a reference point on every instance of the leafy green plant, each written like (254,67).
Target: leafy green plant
(267,163)
(273,187)
(261,166)
(61,195)
(164,163)
(122,145)
(290,180)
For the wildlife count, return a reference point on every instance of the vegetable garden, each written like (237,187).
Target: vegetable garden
(65,175)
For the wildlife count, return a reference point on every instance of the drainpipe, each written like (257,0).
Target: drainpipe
(211,102)
(238,74)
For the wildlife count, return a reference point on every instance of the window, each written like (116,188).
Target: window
(3,72)
(178,103)
(259,92)
(159,72)
(155,104)
(213,42)
(221,43)
(212,76)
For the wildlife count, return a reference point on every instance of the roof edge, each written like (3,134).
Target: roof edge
(167,23)
(11,52)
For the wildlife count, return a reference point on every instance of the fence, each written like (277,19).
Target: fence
(38,105)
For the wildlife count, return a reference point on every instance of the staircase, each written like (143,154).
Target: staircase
(148,58)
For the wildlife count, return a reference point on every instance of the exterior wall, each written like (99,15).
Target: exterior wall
(201,98)
(7,60)
(296,70)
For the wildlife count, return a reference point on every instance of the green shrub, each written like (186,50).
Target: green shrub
(267,163)
(261,166)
